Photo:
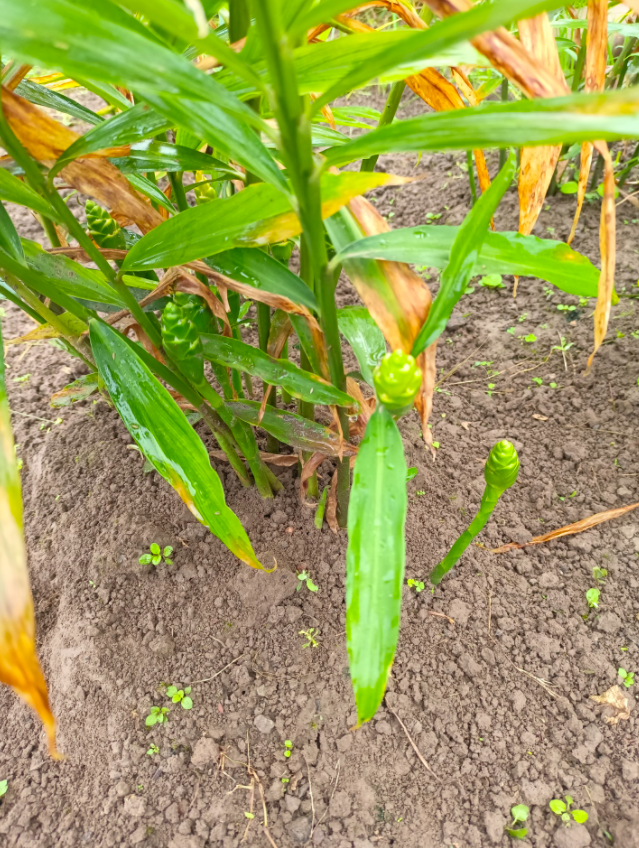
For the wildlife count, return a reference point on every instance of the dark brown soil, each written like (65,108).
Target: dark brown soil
(498,702)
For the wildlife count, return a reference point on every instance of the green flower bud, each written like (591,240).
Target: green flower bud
(205,193)
(397,380)
(196,310)
(282,251)
(104,231)
(502,466)
(181,340)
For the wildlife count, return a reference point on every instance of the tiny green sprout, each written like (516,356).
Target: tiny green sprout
(180,696)
(530,338)
(511,330)
(152,750)
(599,574)
(436,445)
(520,813)
(304,577)
(158,715)
(562,809)
(416,584)
(410,473)
(592,596)
(583,301)
(288,747)
(312,637)
(553,385)
(156,554)
(22,379)
(538,380)
(492,281)
(569,187)
(563,345)
(522,317)
(286,780)
(420,492)
(249,816)
(4,786)
(432,216)
(628,677)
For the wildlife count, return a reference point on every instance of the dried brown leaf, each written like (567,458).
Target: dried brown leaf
(19,666)
(537,163)
(617,705)
(511,58)
(607,249)
(412,298)
(569,529)
(596,56)
(94,176)
(401,319)
(283,460)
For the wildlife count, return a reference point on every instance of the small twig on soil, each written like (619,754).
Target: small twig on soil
(456,368)
(310,792)
(413,745)
(337,768)
(543,683)
(217,673)
(442,615)
(563,352)
(490,611)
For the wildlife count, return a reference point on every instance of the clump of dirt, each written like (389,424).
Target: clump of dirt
(494,669)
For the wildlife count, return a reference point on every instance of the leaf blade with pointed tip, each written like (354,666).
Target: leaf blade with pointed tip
(290,428)
(464,254)
(258,215)
(375,560)
(277,372)
(501,253)
(55,35)
(612,116)
(166,438)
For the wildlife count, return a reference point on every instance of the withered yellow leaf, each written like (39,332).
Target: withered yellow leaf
(93,176)
(19,666)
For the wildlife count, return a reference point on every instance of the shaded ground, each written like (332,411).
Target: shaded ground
(470,693)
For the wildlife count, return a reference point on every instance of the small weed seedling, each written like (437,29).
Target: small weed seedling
(180,696)
(530,338)
(288,748)
(592,596)
(410,473)
(628,677)
(4,786)
(305,577)
(599,574)
(152,750)
(312,637)
(564,345)
(492,281)
(156,554)
(563,810)
(158,715)
(520,813)
(418,585)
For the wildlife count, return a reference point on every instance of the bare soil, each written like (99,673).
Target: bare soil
(496,699)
